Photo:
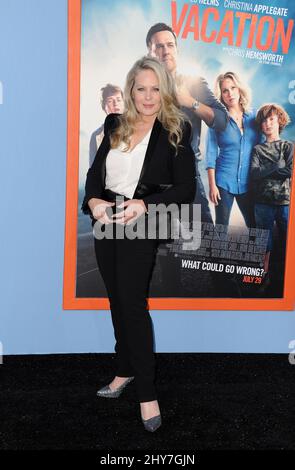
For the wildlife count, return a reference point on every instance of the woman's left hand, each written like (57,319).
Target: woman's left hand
(134,208)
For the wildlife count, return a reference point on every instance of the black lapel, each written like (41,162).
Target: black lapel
(105,144)
(157,127)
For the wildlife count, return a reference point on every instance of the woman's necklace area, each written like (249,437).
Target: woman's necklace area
(238,117)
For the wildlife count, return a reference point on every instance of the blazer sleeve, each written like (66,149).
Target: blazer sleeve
(93,186)
(183,166)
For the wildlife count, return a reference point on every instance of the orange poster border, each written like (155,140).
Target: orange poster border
(70,301)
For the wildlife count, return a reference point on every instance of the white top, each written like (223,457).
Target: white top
(123,168)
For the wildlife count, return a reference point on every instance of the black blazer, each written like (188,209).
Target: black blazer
(165,177)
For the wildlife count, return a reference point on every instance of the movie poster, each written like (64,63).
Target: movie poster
(245,232)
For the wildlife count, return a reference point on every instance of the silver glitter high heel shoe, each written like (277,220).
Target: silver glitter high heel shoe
(153,423)
(108,393)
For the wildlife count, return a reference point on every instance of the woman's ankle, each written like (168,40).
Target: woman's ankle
(149,409)
(117,381)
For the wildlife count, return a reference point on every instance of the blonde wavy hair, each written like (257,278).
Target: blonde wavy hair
(170,115)
(245,92)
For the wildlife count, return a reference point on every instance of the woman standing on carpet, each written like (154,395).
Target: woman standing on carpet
(146,158)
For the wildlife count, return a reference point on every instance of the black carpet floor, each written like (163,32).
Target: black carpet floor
(207,401)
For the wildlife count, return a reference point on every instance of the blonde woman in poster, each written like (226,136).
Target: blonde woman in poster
(146,158)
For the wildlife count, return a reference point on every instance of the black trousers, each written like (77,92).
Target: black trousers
(126,267)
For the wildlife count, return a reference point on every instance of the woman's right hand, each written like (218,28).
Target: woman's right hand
(98,208)
(214,194)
